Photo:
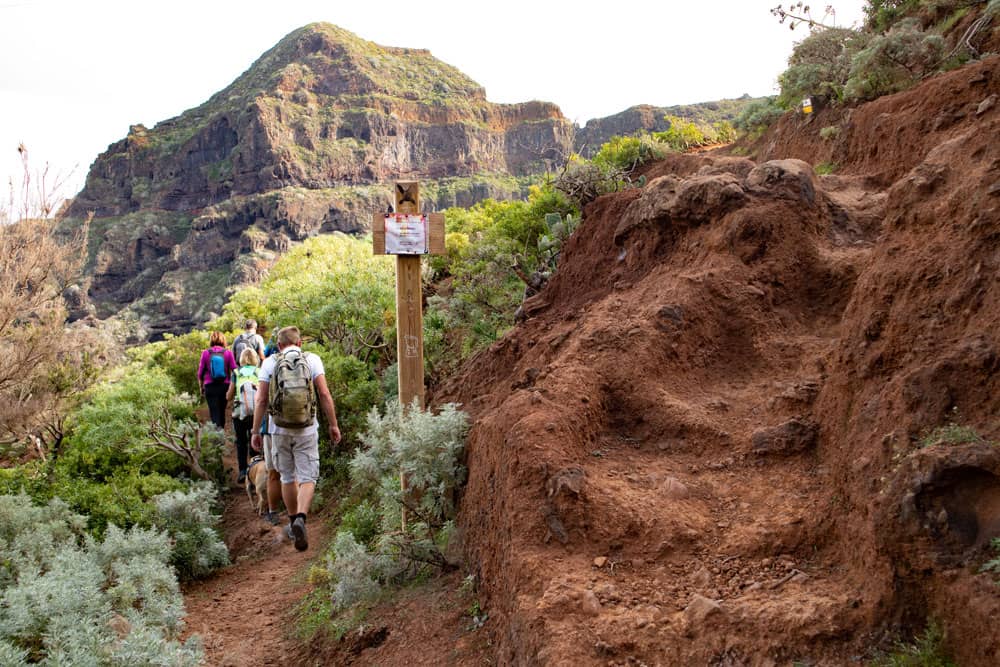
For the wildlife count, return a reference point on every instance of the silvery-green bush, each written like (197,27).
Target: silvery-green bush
(187,516)
(424,446)
(427,448)
(67,599)
(894,61)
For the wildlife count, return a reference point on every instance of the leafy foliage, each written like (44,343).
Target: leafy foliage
(627,153)
(683,135)
(953,432)
(178,357)
(881,14)
(758,115)
(894,61)
(925,651)
(819,67)
(107,469)
(492,242)
(66,598)
(187,516)
(370,549)
(994,564)
(334,290)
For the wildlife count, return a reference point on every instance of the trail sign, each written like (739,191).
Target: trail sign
(408,235)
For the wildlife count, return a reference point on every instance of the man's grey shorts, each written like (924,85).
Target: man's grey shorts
(296,457)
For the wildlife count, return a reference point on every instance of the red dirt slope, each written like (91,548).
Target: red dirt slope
(704,445)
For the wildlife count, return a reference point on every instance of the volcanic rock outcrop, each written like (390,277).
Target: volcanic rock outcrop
(301,143)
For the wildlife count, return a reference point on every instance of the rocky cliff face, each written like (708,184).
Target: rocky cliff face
(303,142)
(306,141)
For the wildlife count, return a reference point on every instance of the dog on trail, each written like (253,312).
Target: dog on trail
(257,482)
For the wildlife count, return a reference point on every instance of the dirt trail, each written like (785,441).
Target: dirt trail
(243,613)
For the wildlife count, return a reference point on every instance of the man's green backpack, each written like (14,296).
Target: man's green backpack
(291,396)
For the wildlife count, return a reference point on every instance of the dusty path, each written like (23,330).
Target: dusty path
(243,614)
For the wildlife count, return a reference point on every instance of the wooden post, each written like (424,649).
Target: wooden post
(409,298)
(409,309)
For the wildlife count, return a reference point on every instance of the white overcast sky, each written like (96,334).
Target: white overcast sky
(74,74)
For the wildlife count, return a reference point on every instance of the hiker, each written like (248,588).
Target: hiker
(249,339)
(292,385)
(242,393)
(213,375)
(272,345)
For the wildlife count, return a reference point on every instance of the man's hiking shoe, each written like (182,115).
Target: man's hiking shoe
(299,533)
(271,518)
(242,478)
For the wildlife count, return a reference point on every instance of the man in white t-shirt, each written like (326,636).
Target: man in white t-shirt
(296,450)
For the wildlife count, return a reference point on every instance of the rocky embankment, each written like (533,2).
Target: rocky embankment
(718,438)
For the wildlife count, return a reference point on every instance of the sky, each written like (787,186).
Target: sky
(75,74)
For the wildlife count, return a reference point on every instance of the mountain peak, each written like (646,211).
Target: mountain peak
(327,60)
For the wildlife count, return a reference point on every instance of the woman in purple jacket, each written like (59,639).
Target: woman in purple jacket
(216,365)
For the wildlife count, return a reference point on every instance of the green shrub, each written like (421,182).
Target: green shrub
(627,153)
(108,432)
(62,592)
(994,564)
(355,389)
(29,478)
(480,300)
(758,115)
(187,516)
(684,134)
(426,447)
(370,549)
(819,67)
(881,14)
(824,168)
(926,651)
(829,132)
(362,521)
(894,61)
(334,290)
(123,499)
(178,357)
(950,433)
(725,132)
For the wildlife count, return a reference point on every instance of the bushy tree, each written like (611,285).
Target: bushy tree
(758,115)
(881,14)
(894,61)
(178,357)
(627,153)
(684,134)
(334,290)
(819,67)
(111,466)
(499,241)
(111,430)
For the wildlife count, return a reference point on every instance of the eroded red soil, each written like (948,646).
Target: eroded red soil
(706,444)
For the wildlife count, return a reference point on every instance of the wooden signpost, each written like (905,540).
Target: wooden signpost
(405,236)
